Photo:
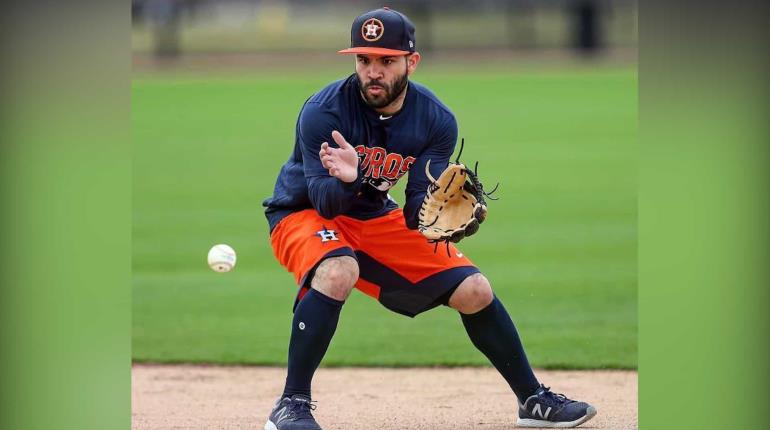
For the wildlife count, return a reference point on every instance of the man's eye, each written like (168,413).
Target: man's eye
(387,62)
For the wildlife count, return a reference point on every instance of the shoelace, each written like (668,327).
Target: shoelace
(299,409)
(555,397)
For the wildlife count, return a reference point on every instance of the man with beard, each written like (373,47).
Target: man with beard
(334,226)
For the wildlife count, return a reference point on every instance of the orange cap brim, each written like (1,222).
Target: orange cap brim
(374,51)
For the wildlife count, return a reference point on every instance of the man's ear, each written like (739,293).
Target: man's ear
(412,61)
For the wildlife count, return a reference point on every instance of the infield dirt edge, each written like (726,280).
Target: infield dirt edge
(186,396)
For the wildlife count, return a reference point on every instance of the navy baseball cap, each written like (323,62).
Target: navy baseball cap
(381,32)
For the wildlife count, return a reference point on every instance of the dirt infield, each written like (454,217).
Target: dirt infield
(206,397)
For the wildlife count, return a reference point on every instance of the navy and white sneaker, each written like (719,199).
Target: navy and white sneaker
(546,409)
(292,413)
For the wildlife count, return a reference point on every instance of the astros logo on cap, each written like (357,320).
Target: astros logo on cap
(372,29)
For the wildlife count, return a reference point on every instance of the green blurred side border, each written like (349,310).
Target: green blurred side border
(65,164)
(703,215)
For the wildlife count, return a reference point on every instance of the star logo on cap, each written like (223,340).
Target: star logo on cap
(372,30)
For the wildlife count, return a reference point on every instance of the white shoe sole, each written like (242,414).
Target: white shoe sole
(530,423)
(270,426)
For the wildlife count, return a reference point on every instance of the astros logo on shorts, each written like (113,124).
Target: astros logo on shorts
(372,30)
(327,235)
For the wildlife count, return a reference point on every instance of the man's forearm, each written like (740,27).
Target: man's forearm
(330,196)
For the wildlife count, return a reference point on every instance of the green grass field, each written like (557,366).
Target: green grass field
(559,246)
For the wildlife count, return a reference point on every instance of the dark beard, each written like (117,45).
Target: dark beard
(391,92)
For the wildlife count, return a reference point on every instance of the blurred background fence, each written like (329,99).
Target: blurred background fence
(170,29)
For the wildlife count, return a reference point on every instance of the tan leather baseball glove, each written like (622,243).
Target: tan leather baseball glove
(454,204)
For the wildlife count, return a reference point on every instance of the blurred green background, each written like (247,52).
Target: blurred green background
(557,130)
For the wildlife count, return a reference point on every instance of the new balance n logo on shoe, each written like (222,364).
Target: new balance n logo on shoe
(538,411)
(281,414)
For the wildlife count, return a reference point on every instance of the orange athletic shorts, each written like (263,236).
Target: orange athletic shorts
(397,266)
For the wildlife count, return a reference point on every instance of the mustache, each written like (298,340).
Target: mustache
(375,83)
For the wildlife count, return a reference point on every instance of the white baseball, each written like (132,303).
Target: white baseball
(221,258)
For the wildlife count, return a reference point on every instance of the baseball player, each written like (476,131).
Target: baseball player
(334,226)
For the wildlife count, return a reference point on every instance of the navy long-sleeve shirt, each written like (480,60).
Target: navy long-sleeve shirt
(388,148)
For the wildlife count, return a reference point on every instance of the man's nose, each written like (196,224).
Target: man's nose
(374,71)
